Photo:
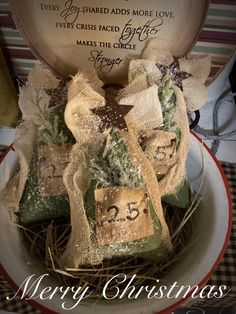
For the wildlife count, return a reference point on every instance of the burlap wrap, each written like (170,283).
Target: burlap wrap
(82,96)
(174,168)
(144,74)
(84,126)
(25,137)
(80,249)
(146,116)
(148,175)
(39,80)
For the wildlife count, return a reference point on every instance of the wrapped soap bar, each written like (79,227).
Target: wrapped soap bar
(45,196)
(42,142)
(130,153)
(181,88)
(116,208)
(126,222)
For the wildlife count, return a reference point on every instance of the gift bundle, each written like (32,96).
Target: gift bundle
(42,142)
(109,158)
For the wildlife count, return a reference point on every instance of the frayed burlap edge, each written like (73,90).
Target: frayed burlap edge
(170,183)
(26,134)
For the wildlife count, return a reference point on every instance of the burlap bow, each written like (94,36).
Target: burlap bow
(189,73)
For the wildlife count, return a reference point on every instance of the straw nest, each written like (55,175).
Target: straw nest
(47,241)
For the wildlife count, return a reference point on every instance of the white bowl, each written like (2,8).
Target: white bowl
(212,225)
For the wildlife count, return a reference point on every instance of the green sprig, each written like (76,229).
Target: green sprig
(49,122)
(113,166)
(167,99)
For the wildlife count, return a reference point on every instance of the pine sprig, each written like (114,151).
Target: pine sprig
(48,121)
(168,102)
(113,166)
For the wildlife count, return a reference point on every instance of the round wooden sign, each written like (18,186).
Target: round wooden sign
(105,35)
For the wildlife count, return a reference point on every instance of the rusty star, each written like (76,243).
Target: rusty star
(177,75)
(59,94)
(112,114)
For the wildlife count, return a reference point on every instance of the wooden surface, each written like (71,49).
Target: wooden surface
(73,34)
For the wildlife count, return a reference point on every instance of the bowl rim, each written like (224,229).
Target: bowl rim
(207,277)
(175,305)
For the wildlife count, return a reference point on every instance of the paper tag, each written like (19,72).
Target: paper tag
(51,165)
(161,150)
(122,215)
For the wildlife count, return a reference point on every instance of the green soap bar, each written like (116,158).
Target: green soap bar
(34,207)
(181,198)
(114,168)
(151,247)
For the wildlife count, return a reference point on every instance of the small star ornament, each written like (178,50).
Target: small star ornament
(112,114)
(177,75)
(59,94)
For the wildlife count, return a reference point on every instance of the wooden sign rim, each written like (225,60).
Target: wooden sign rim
(23,32)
